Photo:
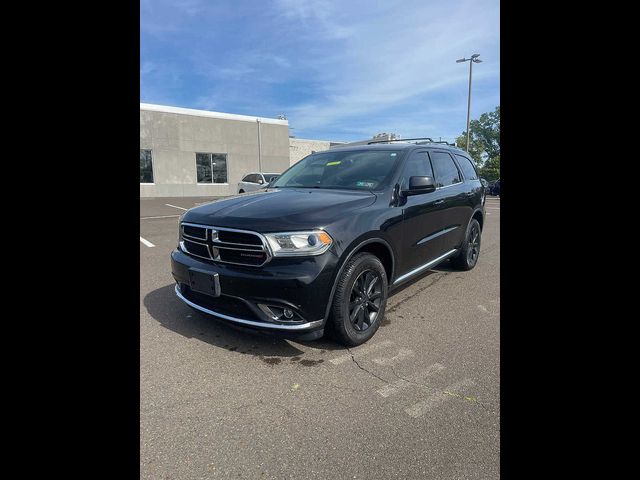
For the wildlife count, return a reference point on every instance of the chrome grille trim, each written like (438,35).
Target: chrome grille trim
(186,250)
(258,248)
(213,245)
(219,244)
(186,235)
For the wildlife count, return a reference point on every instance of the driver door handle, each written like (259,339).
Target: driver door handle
(438,202)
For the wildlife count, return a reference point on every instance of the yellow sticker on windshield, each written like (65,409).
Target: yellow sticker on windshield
(333,163)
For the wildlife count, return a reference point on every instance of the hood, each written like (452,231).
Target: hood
(280,209)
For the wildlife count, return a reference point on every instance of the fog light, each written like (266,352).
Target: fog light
(288,313)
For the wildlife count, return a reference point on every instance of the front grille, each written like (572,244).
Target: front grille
(243,256)
(192,231)
(197,249)
(225,245)
(223,304)
(239,237)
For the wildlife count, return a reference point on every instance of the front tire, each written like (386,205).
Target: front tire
(470,251)
(360,300)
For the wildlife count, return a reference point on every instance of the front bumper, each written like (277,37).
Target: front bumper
(302,285)
(297,327)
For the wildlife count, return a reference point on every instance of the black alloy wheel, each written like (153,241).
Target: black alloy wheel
(359,301)
(469,252)
(364,302)
(473,249)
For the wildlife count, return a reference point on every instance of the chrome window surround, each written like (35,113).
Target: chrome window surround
(217,244)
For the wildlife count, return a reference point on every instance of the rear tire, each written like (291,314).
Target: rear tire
(359,301)
(241,191)
(470,251)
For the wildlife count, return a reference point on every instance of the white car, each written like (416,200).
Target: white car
(255,181)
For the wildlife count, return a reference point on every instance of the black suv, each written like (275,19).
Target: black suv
(324,245)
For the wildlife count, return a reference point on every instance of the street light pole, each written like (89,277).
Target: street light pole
(474,59)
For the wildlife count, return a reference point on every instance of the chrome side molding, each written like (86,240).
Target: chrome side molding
(437,234)
(427,265)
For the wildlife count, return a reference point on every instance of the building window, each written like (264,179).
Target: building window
(146,166)
(211,167)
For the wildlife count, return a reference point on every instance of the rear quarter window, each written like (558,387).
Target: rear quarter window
(468,169)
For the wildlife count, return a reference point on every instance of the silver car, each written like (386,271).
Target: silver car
(255,181)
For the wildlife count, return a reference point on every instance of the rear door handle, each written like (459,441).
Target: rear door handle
(438,202)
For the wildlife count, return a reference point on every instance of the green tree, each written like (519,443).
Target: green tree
(484,145)
(491,168)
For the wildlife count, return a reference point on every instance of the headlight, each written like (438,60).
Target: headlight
(291,244)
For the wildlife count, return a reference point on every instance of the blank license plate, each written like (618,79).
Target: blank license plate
(204,282)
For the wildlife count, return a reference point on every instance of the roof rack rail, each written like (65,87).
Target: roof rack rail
(427,140)
(400,140)
(444,141)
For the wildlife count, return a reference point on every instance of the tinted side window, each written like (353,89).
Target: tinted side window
(467,167)
(247,178)
(445,169)
(417,165)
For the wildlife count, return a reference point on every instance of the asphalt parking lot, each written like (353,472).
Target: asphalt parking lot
(420,400)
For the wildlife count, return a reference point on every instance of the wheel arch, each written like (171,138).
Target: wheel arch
(376,246)
(478,214)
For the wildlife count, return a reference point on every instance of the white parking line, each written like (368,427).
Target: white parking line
(402,354)
(361,351)
(395,387)
(169,205)
(492,208)
(147,242)
(161,216)
(438,398)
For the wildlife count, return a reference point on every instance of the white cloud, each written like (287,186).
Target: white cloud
(336,68)
(392,54)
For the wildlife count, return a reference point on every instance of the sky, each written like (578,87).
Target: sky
(340,70)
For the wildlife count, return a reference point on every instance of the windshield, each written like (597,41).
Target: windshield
(354,170)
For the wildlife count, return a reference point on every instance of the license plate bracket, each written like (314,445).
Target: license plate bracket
(205,282)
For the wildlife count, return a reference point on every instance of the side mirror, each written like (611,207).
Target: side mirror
(418,185)
(260,181)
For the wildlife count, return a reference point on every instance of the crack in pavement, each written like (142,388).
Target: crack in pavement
(353,358)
